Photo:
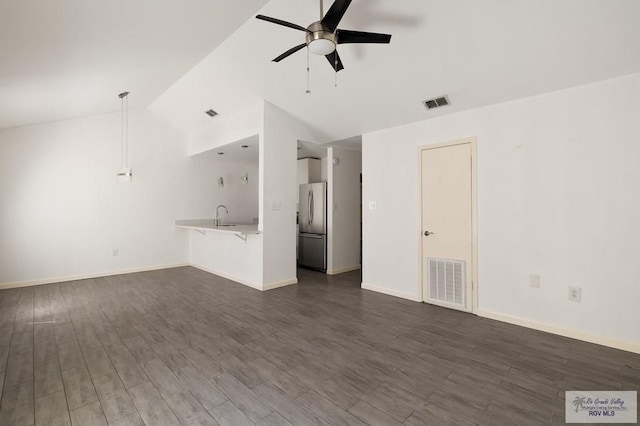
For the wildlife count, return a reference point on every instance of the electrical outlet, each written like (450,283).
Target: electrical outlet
(534,281)
(115,252)
(372,205)
(575,294)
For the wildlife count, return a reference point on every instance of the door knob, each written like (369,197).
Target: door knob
(427,233)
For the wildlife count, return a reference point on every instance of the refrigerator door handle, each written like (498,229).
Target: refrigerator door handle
(309,208)
(312,208)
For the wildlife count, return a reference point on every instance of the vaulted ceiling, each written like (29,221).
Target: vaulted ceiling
(70,58)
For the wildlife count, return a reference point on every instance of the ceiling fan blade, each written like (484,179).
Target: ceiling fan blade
(281,22)
(335,14)
(334,60)
(289,52)
(348,36)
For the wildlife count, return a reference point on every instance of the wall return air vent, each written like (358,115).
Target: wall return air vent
(440,101)
(447,281)
(211,113)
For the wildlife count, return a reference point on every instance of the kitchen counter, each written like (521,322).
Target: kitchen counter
(206,225)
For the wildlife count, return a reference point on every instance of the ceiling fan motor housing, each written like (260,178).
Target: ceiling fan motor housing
(320,40)
(323,36)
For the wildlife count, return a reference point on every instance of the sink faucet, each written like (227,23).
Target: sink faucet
(218,213)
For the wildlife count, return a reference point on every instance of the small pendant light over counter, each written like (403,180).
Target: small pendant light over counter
(125,174)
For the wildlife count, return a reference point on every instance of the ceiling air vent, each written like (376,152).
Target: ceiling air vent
(211,113)
(436,102)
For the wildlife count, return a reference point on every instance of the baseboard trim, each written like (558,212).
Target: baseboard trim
(343,270)
(31,283)
(390,292)
(523,322)
(228,276)
(280,284)
(562,331)
(5,286)
(242,281)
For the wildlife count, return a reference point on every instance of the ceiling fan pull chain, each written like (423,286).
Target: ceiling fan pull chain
(308,92)
(336,69)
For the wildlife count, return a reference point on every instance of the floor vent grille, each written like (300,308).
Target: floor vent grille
(447,281)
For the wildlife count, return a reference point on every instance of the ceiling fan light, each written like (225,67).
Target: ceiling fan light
(322,47)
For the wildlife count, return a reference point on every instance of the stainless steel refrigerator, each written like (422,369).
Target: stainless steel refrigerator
(312,244)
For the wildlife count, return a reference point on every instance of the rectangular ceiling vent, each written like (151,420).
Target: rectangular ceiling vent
(211,113)
(437,102)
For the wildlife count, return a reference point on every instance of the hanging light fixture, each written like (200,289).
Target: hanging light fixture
(125,174)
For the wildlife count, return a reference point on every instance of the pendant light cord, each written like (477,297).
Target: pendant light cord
(124,137)
(308,92)
(122,132)
(126,132)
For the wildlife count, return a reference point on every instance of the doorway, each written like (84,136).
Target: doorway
(448,252)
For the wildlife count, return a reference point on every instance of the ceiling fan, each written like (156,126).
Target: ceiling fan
(323,36)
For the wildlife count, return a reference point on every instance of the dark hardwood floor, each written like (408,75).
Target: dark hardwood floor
(182,346)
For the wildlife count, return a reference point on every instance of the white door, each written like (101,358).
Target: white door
(447,226)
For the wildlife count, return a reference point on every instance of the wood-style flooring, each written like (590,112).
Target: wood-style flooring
(181,346)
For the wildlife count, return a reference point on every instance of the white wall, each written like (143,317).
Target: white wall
(558,195)
(328,170)
(228,256)
(62,210)
(309,171)
(324,168)
(266,260)
(240,198)
(225,254)
(343,210)
(279,170)
(227,128)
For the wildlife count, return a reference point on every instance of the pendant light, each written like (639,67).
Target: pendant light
(125,174)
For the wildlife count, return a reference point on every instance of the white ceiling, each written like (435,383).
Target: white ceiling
(245,151)
(311,150)
(316,150)
(477,52)
(68,58)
